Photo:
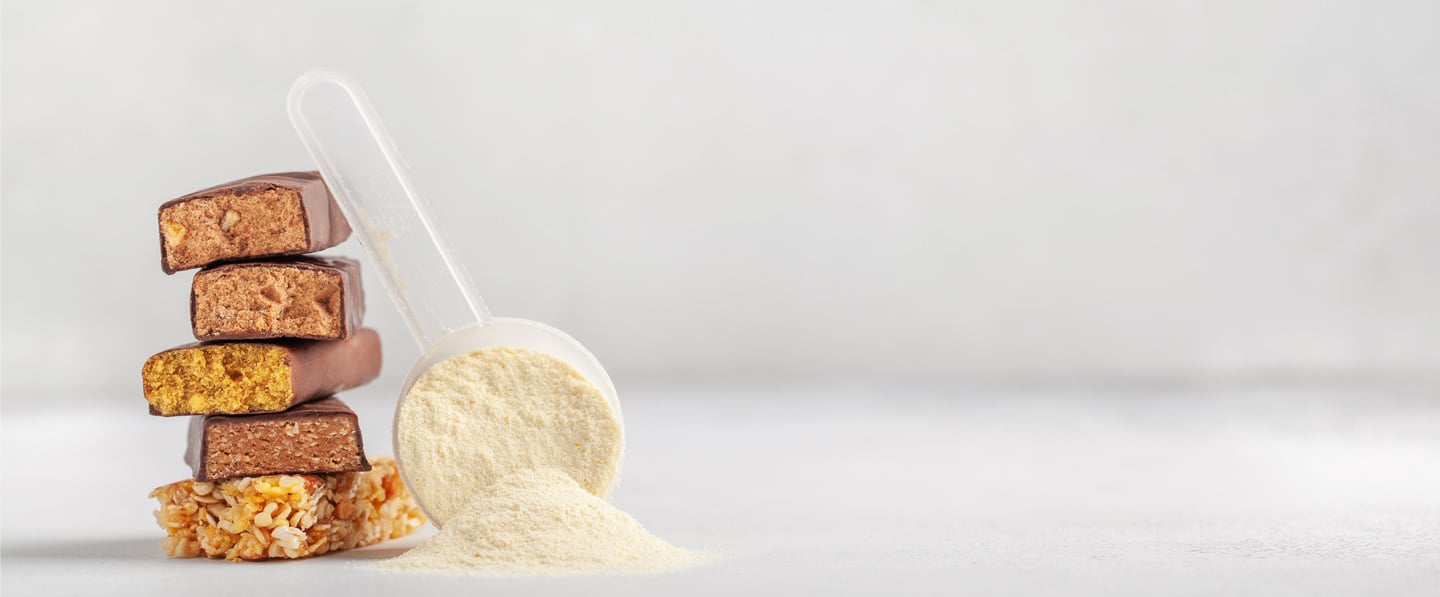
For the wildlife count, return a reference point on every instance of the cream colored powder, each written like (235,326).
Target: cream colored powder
(542,522)
(474,418)
(512,452)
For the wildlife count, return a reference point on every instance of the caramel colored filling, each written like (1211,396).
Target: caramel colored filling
(218,379)
(279,301)
(230,226)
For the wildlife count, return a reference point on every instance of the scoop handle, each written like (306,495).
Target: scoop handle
(364,171)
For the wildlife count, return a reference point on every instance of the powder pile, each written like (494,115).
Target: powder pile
(542,522)
(511,452)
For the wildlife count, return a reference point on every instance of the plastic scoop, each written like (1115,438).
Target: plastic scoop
(428,285)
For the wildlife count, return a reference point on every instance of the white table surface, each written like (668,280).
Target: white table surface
(849,490)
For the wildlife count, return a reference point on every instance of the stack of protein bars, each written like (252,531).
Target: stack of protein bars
(279,467)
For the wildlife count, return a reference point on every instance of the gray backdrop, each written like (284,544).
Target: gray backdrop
(721,191)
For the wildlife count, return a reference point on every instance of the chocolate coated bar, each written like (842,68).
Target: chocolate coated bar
(255,377)
(261,216)
(312,438)
(296,297)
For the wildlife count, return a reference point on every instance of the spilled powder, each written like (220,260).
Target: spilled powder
(542,522)
(512,452)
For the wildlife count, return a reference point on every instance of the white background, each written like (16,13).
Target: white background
(1026,191)
(1033,297)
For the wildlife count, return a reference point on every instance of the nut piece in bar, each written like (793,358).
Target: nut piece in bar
(318,437)
(235,378)
(262,216)
(285,516)
(296,297)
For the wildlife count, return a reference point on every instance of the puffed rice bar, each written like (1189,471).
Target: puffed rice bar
(285,516)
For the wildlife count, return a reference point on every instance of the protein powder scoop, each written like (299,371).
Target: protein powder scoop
(428,285)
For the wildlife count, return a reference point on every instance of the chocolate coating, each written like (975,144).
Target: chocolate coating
(319,368)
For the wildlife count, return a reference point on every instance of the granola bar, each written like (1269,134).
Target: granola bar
(285,516)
